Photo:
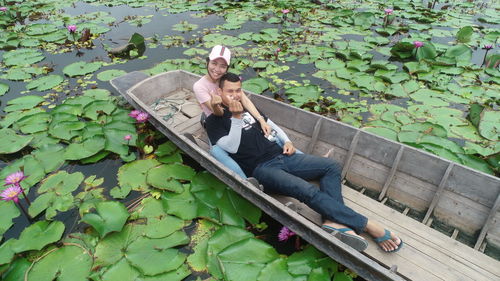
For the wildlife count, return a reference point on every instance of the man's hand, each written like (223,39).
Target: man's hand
(265,127)
(236,108)
(288,148)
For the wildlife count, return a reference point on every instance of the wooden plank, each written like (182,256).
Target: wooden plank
(350,154)
(314,137)
(439,192)
(488,223)
(391,173)
(444,253)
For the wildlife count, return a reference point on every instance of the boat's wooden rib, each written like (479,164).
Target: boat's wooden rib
(389,178)
(468,200)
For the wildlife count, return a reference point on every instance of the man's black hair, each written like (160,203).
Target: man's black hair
(229,76)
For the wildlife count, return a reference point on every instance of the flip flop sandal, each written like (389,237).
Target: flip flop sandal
(387,236)
(356,242)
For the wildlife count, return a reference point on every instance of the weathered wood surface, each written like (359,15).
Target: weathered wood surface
(370,167)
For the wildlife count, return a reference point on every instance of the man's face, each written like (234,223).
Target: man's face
(231,91)
(216,68)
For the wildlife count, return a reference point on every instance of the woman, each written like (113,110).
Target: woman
(205,90)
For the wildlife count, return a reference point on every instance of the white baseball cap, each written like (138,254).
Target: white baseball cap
(220,51)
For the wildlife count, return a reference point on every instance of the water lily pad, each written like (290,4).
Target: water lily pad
(4,88)
(81,68)
(110,74)
(38,235)
(95,108)
(34,123)
(155,256)
(160,177)
(245,259)
(65,130)
(87,148)
(17,74)
(222,238)
(6,252)
(277,270)
(24,102)
(17,269)
(216,38)
(115,141)
(133,174)
(303,94)
(182,205)
(12,142)
(489,126)
(51,156)
(464,35)
(45,83)
(22,57)
(256,85)
(122,270)
(64,264)
(110,216)
(40,28)
(384,132)
(9,212)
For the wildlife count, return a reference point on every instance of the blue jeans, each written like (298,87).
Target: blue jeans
(289,175)
(222,156)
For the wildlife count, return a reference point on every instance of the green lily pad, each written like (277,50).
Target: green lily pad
(61,182)
(110,74)
(384,132)
(111,216)
(64,264)
(45,83)
(17,74)
(87,148)
(122,271)
(12,142)
(183,205)
(303,94)
(133,174)
(24,102)
(6,252)
(222,239)
(81,68)
(245,259)
(175,275)
(4,88)
(115,141)
(426,128)
(17,269)
(65,130)
(429,97)
(256,85)
(95,108)
(160,177)
(38,235)
(277,270)
(155,256)
(427,51)
(9,212)
(464,34)
(22,57)
(34,123)
(303,262)
(40,28)
(51,156)
(109,249)
(489,126)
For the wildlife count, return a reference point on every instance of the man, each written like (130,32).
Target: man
(282,171)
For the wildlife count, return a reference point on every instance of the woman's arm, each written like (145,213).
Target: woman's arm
(250,107)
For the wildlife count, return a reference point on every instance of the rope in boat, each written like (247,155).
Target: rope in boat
(168,106)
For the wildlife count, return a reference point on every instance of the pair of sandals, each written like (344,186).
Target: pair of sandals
(357,242)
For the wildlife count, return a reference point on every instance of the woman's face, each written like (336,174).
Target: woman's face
(216,68)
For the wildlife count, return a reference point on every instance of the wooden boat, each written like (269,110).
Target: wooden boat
(464,199)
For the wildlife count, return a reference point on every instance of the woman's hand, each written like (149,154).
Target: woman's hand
(265,127)
(288,148)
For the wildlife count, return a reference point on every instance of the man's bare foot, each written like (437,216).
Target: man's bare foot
(386,240)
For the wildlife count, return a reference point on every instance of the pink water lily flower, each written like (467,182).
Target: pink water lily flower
(488,47)
(388,11)
(15,178)
(285,234)
(278,50)
(11,193)
(127,137)
(285,11)
(418,44)
(71,28)
(3,9)
(142,117)
(134,113)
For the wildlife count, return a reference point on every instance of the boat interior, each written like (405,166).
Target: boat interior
(432,204)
